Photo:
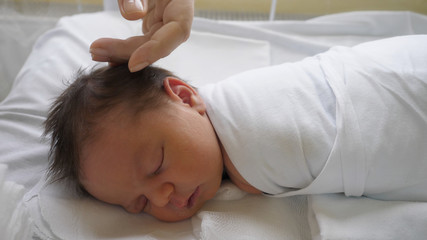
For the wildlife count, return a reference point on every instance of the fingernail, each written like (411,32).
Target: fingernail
(99,52)
(130,6)
(139,67)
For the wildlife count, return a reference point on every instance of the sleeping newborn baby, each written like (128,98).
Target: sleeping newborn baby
(350,120)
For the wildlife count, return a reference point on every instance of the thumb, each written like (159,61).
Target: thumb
(133,9)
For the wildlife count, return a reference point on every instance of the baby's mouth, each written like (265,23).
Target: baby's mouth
(192,199)
(186,203)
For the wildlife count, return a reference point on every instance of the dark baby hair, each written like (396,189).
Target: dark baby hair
(72,119)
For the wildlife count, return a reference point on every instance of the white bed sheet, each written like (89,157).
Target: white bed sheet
(215,50)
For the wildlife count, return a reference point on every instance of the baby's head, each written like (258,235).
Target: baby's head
(140,140)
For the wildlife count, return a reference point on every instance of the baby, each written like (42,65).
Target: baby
(351,120)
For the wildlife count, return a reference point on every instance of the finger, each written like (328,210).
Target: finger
(181,12)
(153,29)
(159,9)
(161,44)
(115,50)
(133,9)
(148,21)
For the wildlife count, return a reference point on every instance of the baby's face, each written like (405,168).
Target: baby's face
(166,162)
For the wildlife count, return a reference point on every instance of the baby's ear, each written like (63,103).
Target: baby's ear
(180,91)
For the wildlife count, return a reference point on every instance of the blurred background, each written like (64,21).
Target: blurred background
(23,21)
(223,9)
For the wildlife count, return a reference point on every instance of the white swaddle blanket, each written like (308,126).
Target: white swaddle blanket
(284,129)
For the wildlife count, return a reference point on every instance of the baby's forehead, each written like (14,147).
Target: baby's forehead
(121,124)
(108,139)
(103,127)
(118,122)
(113,149)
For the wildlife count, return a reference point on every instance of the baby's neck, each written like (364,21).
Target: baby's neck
(235,176)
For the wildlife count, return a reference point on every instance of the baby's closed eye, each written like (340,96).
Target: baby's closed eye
(160,164)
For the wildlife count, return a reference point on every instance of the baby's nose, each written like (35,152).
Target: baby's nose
(161,196)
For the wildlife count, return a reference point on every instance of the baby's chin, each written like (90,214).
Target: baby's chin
(177,215)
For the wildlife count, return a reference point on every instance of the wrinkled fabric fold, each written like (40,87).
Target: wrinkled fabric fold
(379,142)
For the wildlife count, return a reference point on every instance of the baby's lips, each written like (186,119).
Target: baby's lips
(179,203)
(193,197)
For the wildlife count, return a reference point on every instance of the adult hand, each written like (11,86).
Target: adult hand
(166,24)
